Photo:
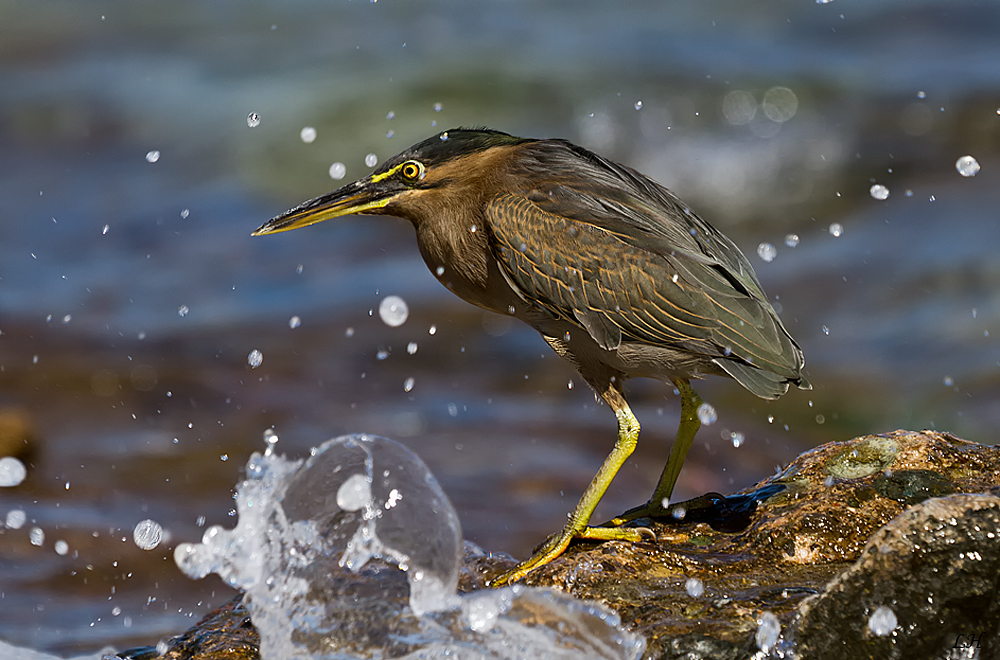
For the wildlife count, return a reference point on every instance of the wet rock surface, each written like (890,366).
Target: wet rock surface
(884,546)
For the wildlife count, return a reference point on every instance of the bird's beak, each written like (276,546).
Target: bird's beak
(365,196)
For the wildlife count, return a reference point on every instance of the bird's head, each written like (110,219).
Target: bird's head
(412,184)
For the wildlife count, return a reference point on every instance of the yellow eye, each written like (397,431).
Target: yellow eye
(411,169)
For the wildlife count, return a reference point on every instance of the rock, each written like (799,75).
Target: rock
(936,568)
(817,549)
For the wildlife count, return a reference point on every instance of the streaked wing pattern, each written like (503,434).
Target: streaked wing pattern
(619,291)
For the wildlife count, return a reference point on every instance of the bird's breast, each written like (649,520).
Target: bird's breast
(458,255)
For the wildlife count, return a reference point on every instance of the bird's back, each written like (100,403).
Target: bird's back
(600,244)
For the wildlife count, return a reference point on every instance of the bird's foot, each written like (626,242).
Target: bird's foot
(660,508)
(556,544)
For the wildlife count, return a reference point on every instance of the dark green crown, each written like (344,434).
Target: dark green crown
(454,143)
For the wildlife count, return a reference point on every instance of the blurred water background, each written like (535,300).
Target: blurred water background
(131,293)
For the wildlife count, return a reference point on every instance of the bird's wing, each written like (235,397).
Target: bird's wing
(602,280)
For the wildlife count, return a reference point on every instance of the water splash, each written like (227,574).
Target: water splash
(707,414)
(147,534)
(967,166)
(393,311)
(355,553)
(879,192)
(12,472)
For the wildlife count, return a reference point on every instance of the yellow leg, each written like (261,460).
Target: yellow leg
(577,527)
(658,504)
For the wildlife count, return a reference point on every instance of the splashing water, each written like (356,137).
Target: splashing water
(707,414)
(967,166)
(882,621)
(694,587)
(12,472)
(880,192)
(338,171)
(768,631)
(147,534)
(393,311)
(355,553)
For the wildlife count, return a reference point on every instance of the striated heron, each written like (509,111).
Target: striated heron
(618,275)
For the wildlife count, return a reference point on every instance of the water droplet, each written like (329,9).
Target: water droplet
(921,95)
(147,534)
(349,332)
(638,105)
(766,251)
(438,107)
(826,330)
(452,410)
(570,386)
(707,414)
(294,322)
(694,587)
(432,330)
(253,120)
(948,381)
(768,631)
(439,271)
(393,311)
(152,156)
(882,621)
(382,353)
(307,134)
(106,228)
(12,472)
(255,359)
(338,170)
(36,536)
(67,319)
(411,348)
(61,547)
(15,519)
(390,133)
(791,240)
(878,191)
(820,419)
(390,115)
(182,311)
(371,160)
(967,166)
(408,384)
(836,229)
(185,213)
(780,104)
(737,438)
